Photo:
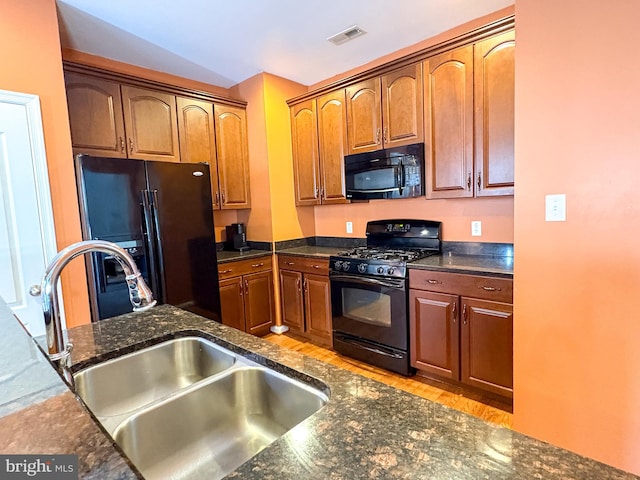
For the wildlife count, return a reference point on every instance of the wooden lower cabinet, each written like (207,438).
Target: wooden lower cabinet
(246,295)
(459,338)
(306,298)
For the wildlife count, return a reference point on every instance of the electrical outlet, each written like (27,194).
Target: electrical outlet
(476,228)
(349,227)
(556,208)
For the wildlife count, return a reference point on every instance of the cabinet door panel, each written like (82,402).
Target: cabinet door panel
(434,333)
(258,288)
(95,116)
(233,156)
(332,136)
(232,303)
(292,301)
(150,123)
(364,116)
(448,93)
(494,115)
(306,164)
(402,106)
(197,138)
(487,345)
(318,308)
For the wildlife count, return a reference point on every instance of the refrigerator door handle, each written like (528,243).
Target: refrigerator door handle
(157,241)
(149,239)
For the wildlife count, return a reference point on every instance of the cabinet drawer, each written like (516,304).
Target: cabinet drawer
(319,266)
(489,288)
(243,267)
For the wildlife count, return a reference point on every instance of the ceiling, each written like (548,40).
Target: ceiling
(225,42)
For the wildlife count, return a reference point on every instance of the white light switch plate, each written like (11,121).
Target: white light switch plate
(476,228)
(556,208)
(349,227)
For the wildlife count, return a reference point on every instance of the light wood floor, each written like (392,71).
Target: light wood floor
(489,410)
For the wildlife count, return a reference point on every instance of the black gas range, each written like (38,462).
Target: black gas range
(369,291)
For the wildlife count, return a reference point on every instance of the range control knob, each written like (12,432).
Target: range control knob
(362,267)
(345,266)
(390,271)
(337,265)
(380,270)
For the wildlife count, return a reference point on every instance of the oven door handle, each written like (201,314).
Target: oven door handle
(391,283)
(379,351)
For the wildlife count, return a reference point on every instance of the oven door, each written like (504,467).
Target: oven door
(374,309)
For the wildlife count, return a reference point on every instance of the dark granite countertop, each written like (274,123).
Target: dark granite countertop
(471,264)
(311,251)
(225,256)
(366,430)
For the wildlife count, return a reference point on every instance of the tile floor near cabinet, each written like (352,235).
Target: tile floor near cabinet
(492,411)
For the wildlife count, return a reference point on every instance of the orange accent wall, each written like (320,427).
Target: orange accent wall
(31,63)
(496,215)
(576,323)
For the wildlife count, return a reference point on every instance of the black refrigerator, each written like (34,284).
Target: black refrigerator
(161,213)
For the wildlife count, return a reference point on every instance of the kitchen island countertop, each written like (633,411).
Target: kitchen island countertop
(367,430)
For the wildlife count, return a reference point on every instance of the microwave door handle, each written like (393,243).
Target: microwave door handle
(400,178)
(382,190)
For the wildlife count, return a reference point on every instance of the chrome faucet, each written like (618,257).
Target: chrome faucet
(139,293)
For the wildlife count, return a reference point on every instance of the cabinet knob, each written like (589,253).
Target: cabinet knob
(316,266)
(434,282)
(479,180)
(216,199)
(469,182)
(224,200)
(246,287)
(221,272)
(384,135)
(464,314)
(256,265)
(130,145)
(289,263)
(298,283)
(453,312)
(122,145)
(378,136)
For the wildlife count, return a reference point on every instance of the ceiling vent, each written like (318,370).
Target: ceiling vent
(346,35)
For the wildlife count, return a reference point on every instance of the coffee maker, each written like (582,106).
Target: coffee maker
(236,237)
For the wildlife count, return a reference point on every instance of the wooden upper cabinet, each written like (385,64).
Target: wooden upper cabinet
(494,71)
(364,116)
(233,156)
(402,106)
(306,164)
(95,116)
(448,118)
(332,142)
(197,138)
(150,123)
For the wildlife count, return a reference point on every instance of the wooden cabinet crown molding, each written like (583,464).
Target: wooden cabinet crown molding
(473,36)
(155,85)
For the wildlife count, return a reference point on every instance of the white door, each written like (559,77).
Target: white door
(27,238)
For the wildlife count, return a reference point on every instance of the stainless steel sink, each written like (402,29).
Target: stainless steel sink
(210,431)
(126,383)
(188,408)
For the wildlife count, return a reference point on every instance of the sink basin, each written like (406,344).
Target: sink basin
(124,384)
(209,431)
(188,408)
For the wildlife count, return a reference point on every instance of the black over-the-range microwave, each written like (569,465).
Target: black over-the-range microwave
(390,173)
